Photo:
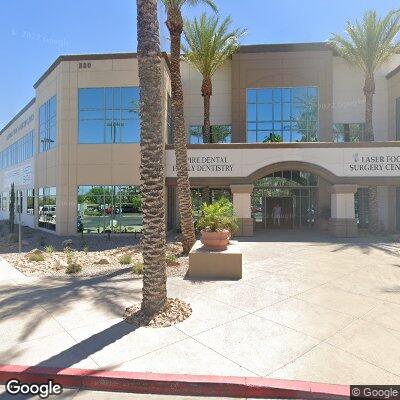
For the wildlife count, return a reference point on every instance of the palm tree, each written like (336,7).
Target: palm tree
(209,45)
(152,150)
(175,26)
(368,45)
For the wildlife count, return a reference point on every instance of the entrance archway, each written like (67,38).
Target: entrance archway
(285,199)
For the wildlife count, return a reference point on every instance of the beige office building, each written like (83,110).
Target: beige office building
(287,130)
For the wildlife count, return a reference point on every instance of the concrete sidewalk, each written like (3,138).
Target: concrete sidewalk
(316,311)
(89,395)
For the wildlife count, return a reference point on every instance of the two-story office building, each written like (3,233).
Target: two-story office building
(287,129)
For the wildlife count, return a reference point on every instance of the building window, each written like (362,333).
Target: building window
(19,151)
(48,124)
(109,209)
(353,132)
(398,209)
(282,114)
(30,201)
(47,208)
(109,115)
(200,196)
(398,118)
(361,200)
(4,201)
(219,134)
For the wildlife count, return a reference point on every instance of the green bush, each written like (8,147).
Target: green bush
(49,249)
(67,244)
(171,259)
(36,257)
(73,268)
(125,259)
(92,213)
(217,216)
(138,269)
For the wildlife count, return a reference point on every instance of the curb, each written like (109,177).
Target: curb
(175,384)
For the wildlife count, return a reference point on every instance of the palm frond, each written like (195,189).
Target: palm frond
(370,43)
(209,43)
(178,4)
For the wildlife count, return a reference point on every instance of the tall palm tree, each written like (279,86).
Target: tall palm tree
(209,45)
(152,165)
(175,26)
(368,45)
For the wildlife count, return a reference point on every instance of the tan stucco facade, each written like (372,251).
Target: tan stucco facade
(70,164)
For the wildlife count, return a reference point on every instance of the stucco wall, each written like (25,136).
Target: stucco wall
(220,101)
(349,99)
(281,69)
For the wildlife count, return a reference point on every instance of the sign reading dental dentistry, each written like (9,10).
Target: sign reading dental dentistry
(366,160)
(208,164)
(375,163)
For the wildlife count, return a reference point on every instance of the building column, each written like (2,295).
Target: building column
(343,222)
(242,208)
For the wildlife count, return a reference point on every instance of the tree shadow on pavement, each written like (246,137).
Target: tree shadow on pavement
(54,295)
(49,296)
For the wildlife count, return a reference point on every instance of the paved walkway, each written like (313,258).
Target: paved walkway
(73,394)
(314,310)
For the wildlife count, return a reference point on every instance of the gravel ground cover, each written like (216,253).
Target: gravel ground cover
(46,254)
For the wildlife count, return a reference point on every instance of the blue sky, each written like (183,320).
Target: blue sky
(35,33)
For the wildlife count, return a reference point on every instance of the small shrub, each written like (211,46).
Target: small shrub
(218,216)
(85,248)
(67,244)
(125,259)
(36,257)
(138,269)
(102,261)
(73,268)
(49,249)
(171,259)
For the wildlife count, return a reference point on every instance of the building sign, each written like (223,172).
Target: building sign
(208,164)
(22,125)
(375,163)
(243,162)
(22,176)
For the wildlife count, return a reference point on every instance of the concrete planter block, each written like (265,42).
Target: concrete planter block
(209,264)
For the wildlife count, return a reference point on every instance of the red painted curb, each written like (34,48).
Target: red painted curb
(175,384)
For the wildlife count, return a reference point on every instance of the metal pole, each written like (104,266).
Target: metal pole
(19,226)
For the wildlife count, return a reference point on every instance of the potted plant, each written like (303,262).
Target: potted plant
(217,223)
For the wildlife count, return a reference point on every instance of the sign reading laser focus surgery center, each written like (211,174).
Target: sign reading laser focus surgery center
(208,164)
(377,163)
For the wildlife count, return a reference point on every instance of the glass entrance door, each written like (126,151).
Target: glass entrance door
(286,205)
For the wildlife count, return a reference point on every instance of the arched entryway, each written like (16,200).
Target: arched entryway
(285,199)
(304,191)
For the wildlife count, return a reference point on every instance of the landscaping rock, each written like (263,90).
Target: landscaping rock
(174,312)
(102,261)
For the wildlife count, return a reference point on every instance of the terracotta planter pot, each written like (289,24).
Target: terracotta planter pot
(215,240)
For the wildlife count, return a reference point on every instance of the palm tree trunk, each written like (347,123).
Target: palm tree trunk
(369,91)
(175,27)
(152,152)
(206,92)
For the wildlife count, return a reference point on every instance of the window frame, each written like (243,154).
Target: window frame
(287,127)
(116,113)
